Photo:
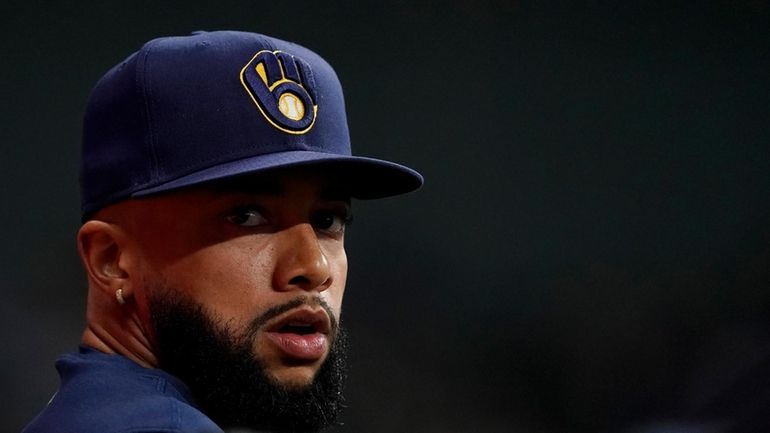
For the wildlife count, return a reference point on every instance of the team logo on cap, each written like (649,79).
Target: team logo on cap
(282,86)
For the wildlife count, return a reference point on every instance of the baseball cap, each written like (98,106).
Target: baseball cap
(185,110)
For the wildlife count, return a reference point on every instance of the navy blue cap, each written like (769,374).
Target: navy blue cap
(191,109)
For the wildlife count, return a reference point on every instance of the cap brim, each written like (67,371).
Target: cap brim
(364,178)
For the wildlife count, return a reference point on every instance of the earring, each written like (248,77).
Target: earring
(119,296)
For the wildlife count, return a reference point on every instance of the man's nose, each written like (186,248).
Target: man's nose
(301,262)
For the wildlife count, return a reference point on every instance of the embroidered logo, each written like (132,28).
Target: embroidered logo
(282,87)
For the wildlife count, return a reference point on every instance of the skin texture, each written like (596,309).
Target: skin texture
(239,248)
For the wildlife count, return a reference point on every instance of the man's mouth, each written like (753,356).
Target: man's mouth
(301,334)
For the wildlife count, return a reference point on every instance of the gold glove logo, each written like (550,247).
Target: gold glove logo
(282,87)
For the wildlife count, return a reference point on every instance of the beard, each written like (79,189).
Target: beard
(227,380)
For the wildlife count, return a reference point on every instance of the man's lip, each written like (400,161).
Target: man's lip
(301,334)
(318,319)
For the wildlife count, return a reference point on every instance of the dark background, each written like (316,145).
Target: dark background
(591,251)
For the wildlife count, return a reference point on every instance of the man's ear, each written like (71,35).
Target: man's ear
(102,247)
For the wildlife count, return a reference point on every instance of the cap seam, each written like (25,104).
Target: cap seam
(146,91)
(266,43)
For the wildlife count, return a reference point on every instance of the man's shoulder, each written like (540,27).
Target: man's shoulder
(109,393)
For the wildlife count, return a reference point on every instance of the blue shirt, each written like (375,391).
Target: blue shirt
(103,393)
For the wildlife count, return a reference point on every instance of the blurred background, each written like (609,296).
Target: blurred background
(590,253)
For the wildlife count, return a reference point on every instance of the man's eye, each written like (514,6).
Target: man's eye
(247,218)
(331,222)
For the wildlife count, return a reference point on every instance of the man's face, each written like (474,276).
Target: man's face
(260,263)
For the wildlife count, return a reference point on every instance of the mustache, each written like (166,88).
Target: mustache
(299,301)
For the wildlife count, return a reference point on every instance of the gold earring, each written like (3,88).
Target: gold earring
(119,296)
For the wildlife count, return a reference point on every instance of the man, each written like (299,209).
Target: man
(216,184)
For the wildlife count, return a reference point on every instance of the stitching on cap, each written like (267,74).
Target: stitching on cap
(148,108)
